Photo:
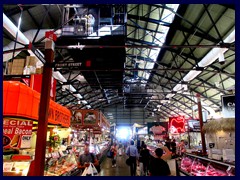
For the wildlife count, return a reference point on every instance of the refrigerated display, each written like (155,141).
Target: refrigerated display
(62,163)
(16,165)
(192,165)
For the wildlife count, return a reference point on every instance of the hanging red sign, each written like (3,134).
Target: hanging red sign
(177,124)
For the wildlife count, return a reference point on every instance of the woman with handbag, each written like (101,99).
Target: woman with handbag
(132,152)
(114,157)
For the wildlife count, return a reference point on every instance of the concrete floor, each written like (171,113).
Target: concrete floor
(121,170)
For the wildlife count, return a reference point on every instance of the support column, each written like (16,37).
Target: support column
(43,110)
(201,124)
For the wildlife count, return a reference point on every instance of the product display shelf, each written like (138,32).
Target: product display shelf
(62,163)
(16,165)
(192,165)
(103,148)
(99,149)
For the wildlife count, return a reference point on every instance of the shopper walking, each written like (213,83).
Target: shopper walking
(120,148)
(114,157)
(86,158)
(144,159)
(132,152)
(159,167)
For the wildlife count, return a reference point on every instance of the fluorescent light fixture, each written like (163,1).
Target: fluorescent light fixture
(191,75)
(170,95)
(84,102)
(221,58)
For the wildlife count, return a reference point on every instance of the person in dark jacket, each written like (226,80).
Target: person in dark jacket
(173,147)
(159,167)
(144,158)
(87,157)
(168,143)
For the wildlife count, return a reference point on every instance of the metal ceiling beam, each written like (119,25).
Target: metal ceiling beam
(214,22)
(144,29)
(50,16)
(15,10)
(196,33)
(182,8)
(155,21)
(33,19)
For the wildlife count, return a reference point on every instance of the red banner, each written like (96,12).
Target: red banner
(17,133)
(36,84)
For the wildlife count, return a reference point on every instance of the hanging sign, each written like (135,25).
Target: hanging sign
(176,124)
(77,117)
(157,128)
(193,125)
(17,133)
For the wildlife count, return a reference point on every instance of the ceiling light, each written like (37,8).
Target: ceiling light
(191,75)
(170,95)
(221,58)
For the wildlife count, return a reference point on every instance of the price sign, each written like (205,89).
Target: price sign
(7,166)
(55,155)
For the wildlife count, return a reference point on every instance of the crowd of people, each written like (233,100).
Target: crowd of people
(139,157)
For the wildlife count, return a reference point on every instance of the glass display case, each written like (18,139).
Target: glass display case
(15,168)
(16,165)
(62,163)
(192,165)
(99,149)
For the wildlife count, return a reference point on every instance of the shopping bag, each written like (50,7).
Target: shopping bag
(84,173)
(110,154)
(128,161)
(120,151)
(138,171)
(90,171)
(94,170)
(141,169)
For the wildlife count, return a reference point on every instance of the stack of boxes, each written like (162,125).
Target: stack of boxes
(16,67)
(24,66)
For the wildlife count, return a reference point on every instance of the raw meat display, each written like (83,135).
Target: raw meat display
(199,166)
(186,164)
(211,171)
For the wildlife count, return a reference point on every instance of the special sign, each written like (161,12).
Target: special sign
(17,133)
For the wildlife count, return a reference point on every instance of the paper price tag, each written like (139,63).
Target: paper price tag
(7,166)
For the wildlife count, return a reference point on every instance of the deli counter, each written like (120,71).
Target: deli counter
(192,165)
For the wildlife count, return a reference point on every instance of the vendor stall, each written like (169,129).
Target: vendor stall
(91,126)
(20,119)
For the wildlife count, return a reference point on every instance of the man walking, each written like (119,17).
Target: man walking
(132,152)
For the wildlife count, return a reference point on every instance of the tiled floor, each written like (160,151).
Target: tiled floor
(120,170)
